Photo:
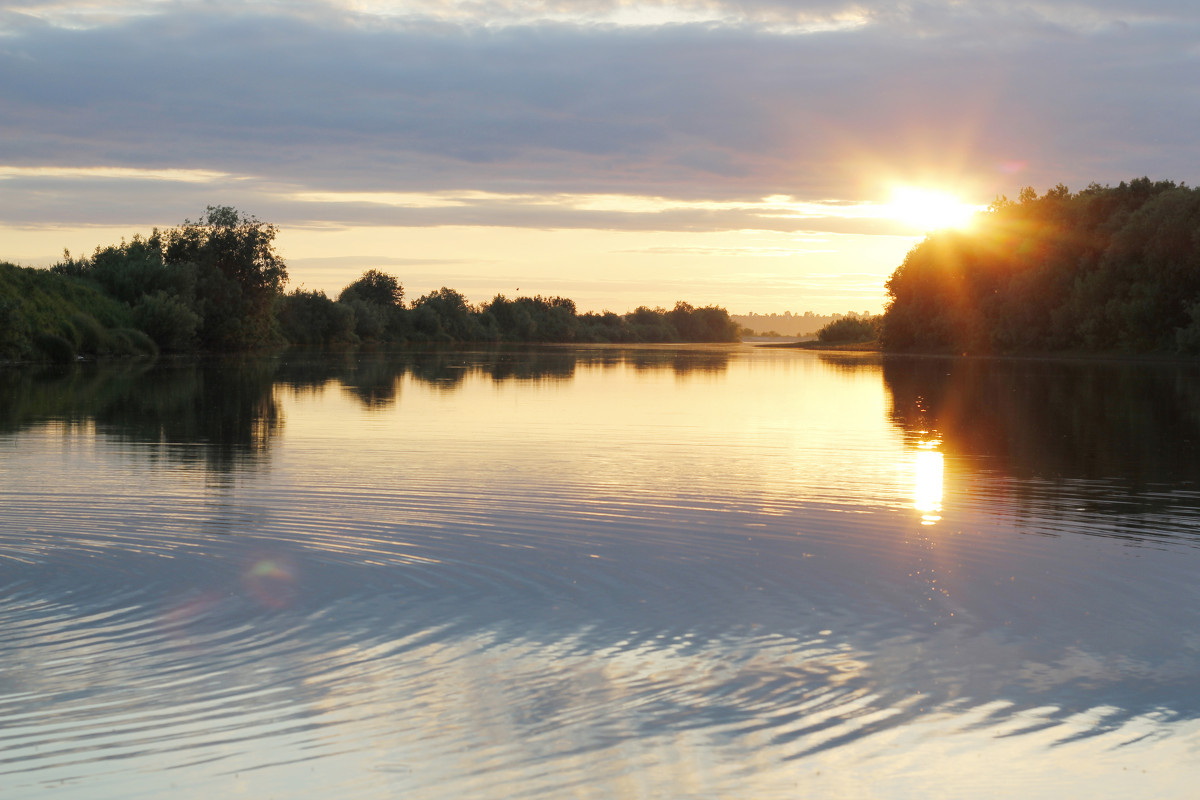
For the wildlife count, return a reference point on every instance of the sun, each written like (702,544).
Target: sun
(930,209)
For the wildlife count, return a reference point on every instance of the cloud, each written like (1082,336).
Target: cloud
(713,101)
(113,195)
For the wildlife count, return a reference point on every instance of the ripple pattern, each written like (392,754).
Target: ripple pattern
(430,615)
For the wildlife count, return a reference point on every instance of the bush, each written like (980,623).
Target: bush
(14,330)
(445,315)
(131,342)
(167,320)
(87,334)
(649,325)
(370,320)
(607,327)
(53,347)
(849,329)
(311,318)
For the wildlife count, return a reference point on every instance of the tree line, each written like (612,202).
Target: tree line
(372,309)
(216,284)
(1103,269)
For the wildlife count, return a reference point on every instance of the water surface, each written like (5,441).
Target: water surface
(600,573)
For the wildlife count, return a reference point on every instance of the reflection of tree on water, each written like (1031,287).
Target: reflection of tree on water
(374,377)
(220,414)
(448,368)
(1118,434)
(223,413)
(681,362)
(850,361)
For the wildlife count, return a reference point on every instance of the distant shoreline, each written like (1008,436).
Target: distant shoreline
(852,347)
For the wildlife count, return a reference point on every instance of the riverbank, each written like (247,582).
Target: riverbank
(851,347)
(1058,355)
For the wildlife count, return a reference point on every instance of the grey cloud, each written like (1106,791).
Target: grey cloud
(28,202)
(331,100)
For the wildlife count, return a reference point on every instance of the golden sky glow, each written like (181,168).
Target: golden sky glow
(641,152)
(743,270)
(745,266)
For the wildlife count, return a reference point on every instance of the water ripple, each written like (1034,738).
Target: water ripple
(502,625)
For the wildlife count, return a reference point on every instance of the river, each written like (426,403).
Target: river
(694,572)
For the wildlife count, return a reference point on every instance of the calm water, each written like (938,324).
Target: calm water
(600,573)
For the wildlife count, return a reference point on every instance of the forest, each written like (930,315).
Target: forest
(1105,269)
(217,285)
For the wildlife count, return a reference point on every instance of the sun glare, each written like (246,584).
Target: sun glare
(927,493)
(929,209)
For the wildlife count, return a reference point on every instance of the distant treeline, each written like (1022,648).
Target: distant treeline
(787,323)
(217,285)
(1104,269)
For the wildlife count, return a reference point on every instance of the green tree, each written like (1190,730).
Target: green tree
(849,329)
(374,287)
(378,302)
(239,275)
(169,321)
(311,318)
(447,316)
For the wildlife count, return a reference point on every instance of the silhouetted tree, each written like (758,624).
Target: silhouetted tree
(445,315)
(238,275)
(311,318)
(1106,268)
(375,287)
(849,329)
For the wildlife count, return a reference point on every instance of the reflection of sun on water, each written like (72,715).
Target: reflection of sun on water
(927,491)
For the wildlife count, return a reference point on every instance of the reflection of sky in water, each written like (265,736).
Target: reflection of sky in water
(628,582)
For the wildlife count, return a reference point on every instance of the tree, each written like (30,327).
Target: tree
(378,302)
(311,318)
(708,324)
(374,287)
(1106,268)
(239,275)
(849,329)
(446,315)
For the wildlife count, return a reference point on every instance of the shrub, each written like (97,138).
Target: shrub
(849,329)
(87,334)
(311,318)
(53,347)
(131,342)
(167,320)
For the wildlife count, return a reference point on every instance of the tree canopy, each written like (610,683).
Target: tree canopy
(1106,268)
(238,275)
(374,287)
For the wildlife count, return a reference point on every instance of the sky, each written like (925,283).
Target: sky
(746,153)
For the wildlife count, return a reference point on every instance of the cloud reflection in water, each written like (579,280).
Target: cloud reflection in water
(607,577)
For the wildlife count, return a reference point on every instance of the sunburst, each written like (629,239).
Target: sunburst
(930,209)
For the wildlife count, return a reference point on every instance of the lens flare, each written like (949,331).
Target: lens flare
(272,582)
